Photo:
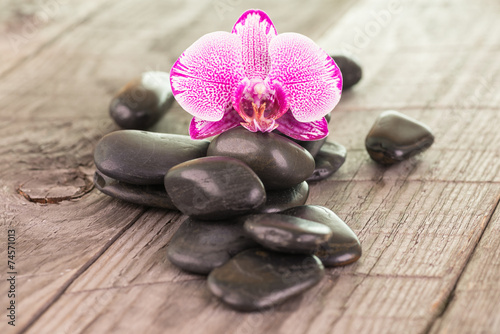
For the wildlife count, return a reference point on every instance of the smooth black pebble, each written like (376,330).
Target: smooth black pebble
(143,101)
(351,70)
(200,246)
(213,188)
(328,160)
(395,137)
(284,233)
(141,157)
(279,162)
(256,279)
(343,247)
(279,200)
(312,146)
(149,195)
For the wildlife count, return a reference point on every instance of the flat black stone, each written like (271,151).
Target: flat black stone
(279,200)
(142,102)
(395,137)
(279,162)
(214,188)
(328,160)
(140,157)
(200,246)
(351,70)
(149,195)
(256,279)
(284,233)
(343,247)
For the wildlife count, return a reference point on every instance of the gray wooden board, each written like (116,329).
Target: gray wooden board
(91,264)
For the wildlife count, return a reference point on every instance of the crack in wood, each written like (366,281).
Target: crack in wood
(451,294)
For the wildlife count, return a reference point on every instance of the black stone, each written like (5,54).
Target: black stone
(395,137)
(328,117)
(214,188)
(328,160)
(256,279)
(279,162)
(140,157)
(312,146)
(142,102)
(279,200)
(284,233)
(200,246)
(149,195)
(351,70)
(343,247)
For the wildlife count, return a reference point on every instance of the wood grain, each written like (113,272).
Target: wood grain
(476,299)
(97,265)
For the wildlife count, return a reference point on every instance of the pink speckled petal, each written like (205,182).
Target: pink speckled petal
(256,31)
(199,129)
(314,130)
(309,76)
(205,75)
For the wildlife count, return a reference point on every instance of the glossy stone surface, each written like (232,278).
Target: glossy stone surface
(284,233)
(312,146)
(279,200)
(329,159)
(257,279)
(213,188)
(351,70)
(279,162)
(140,157)
(142,102)
(200,246)
(342,247)
(148,195)
(395,137)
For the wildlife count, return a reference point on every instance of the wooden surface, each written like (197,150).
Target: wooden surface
(428,226)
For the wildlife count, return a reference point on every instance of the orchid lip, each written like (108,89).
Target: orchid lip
(258,105)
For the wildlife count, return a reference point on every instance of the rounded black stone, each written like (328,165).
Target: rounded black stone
(257,279)
(149,195)
(279,162)
(351,70)
(312,146)
(200,246)
(395,137)
(328,160)
(142,102)
(328,117)
(284,233)
(140,157)
(213,188)
(279,200)
(342,247)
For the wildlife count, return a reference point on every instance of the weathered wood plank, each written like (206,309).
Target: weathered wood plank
(418,221)
(411,259)
(476,299)
(53,102)
(29,26)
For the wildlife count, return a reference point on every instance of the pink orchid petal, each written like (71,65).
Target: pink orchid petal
(309,76)
(205,75)
(302,131)
(256,31)
(199,129)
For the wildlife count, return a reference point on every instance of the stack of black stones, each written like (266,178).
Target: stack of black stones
(244,193)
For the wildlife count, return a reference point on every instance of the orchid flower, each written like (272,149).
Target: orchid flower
(258,79)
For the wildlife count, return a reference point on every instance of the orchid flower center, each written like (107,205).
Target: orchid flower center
(257,105)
